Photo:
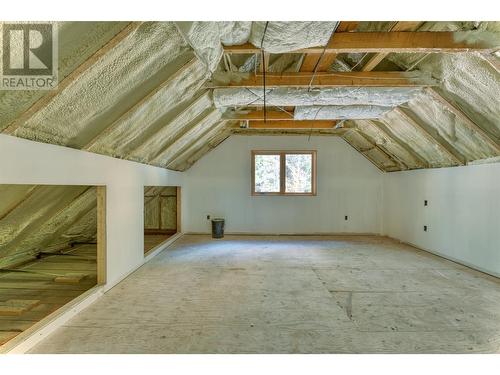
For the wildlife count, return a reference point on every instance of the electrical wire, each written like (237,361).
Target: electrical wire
(321,56)
(264,68)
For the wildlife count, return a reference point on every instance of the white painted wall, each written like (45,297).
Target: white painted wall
(463,212)
(27,162)
(220,185)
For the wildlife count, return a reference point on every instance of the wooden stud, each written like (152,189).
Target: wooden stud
(444,146)
(101,235)
(462,116)
(389,42)
(336,79)
(73,76)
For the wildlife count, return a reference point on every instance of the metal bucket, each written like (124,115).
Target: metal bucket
(217,228)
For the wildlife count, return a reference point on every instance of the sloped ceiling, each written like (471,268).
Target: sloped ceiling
(144,91)
(37,218)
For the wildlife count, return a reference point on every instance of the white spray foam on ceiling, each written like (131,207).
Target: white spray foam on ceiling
(282,37)
(339,112)
(227,97)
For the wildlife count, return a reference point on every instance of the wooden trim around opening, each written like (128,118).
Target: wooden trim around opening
(101,235)
(282,154)
(178,209)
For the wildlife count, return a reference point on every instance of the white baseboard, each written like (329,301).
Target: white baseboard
(26,340)
(33,335)
(288,234)
(158,249)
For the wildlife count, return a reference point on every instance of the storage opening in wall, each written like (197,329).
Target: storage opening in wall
(283,172)
(161,215)
(52,250)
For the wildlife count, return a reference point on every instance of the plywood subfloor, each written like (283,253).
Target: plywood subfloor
(153,240)
(40,286)
(290,295)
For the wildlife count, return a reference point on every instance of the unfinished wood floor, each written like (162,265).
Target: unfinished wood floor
(38,290)
(290,295)
(153,240)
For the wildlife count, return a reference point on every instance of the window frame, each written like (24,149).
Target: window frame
(282,154)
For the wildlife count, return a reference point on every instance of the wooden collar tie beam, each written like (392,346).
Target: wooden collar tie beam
(330,79)
(393,42)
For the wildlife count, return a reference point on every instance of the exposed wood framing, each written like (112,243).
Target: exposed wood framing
(462,116)
(441,143)
(264,66)
(325,60)
(311,59)
(378,57)
(388,42)
(101,235)
(347,26)
(302,124)
(311,132)
(73,76)
(259,115)
(178,210)
(337,79)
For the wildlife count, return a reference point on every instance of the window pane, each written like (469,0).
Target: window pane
(267,173)
(298,173)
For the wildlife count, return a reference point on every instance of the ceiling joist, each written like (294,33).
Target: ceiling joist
(391,42)
(303,124)
(326,80)
(271,115)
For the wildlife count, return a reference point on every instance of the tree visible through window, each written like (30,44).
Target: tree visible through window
(284,173)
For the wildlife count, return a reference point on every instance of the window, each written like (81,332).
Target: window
(283,172)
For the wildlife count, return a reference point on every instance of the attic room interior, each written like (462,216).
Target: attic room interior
(250,187)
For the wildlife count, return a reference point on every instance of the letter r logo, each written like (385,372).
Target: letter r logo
(27,49)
